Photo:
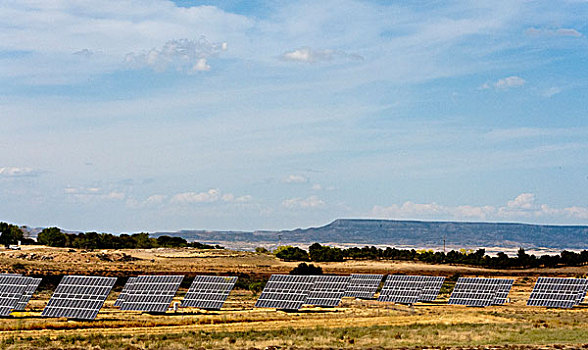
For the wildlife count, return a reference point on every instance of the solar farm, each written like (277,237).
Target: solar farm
(346,307)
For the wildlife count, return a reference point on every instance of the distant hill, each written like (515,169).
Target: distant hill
(415,233)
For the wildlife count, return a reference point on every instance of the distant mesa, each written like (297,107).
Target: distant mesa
(410,233)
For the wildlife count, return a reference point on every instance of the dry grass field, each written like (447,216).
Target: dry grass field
(355,324)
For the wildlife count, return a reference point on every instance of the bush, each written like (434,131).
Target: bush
(304,269)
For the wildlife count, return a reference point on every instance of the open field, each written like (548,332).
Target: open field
(355,324)
(38,260)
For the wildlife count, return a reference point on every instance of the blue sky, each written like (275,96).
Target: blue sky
(133,115)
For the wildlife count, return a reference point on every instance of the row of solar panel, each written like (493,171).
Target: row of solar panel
(82,297)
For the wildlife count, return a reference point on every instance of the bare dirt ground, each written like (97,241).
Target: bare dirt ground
(365,324)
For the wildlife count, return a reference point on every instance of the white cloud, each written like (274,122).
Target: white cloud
(510,82)
(182,55)
(317,187)
(151,201)
(211,196)
(522,207)
(308,55)
(295,179)
(244,199)
(303,203)
(522,201)
(17,172)
(88,194)
(565,32)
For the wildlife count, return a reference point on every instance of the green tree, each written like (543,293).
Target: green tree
(318,252)
(292,254)
(143,241)
(52,237)
(10,234)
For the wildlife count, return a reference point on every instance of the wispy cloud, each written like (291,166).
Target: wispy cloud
(505,83)
(18,172)
(565,32)
(88,194)
(552,91)
(308,55)
(295,179)
(213,195)
(303,203)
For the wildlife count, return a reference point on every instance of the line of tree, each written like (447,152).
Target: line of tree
(319,253)
(54,237)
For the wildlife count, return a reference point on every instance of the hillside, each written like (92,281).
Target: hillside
(415,233)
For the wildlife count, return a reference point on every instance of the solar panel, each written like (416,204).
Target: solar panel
(432,288)
(125,291)
(363,286)
(286,292)
(33,284)
(12,288)
(327,290)
(557,292)
(209,292)
(403,289)
(582,293)
(79,297)
(502,291)
(152,293)
(474,291)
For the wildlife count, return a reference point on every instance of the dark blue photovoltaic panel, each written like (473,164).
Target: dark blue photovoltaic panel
(286,292)
(432,288)
(403,289)
(79,297)
(12,287)
(33,284)
(472,291)
(363,286)
(152,293)
(557,292)
(327,290)
(502,291)
(209,292)
(125,291)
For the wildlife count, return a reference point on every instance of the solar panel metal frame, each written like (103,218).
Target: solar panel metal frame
(30,289)
(125,291)
(79,297)
(285,292)
(209,292)
(327,290)
(12,287)
(474,291)
(556,292)
(363,286)
(152,293)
